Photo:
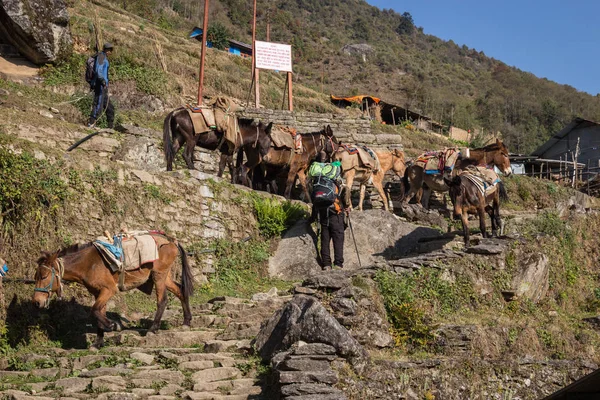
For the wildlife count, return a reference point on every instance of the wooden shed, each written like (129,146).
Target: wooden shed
(579,141)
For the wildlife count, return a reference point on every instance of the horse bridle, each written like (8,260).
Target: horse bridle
(323,145)
(53,275)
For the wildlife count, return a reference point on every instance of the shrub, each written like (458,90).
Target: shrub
(411,302)
(274,217)
(70,71)
(218,35)
(29,188)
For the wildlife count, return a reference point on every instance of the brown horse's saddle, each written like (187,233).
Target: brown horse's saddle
(437,162)
(483,178)
(137,248)
(285,136)
(203,118)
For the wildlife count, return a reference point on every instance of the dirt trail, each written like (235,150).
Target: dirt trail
(17,68)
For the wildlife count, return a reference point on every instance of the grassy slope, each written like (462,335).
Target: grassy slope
(448,82)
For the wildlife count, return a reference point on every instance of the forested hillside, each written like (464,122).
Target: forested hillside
(455,85)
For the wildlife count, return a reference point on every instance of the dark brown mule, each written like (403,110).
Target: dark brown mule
(468,199)
(83,264)
(178,131)
(495,154)
(277,158)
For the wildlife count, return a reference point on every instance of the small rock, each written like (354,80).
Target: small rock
(344,305)
(216,374)
(46,114)
(146,359)
(54,110)
(4,92)
(304,290)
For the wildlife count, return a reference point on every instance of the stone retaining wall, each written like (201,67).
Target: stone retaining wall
(345,128)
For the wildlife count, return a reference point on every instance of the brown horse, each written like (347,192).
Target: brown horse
(277,158)
(352,168)
(178,130)
(495,154)
(84,264)
(468,199)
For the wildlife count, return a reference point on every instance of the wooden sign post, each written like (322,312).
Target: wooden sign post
(203,55)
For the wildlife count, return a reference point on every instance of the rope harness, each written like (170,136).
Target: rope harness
(53,275)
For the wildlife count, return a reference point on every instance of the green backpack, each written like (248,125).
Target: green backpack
(327,170)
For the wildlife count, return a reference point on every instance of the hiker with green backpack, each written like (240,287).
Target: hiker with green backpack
(329,209)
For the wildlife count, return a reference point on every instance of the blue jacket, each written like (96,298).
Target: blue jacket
(102,68)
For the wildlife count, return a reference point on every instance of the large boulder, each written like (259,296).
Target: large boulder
(379,235)
(532,279)
(39,29)
(305,319)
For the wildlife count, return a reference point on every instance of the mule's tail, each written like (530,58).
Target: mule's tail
(168,141)
(187,280)
(503,193)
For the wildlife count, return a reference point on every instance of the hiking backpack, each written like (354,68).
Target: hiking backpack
(325,178)
(90,70)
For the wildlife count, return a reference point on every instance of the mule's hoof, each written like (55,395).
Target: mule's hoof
(150,333)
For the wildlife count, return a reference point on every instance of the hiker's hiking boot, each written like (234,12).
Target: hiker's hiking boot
(337,267)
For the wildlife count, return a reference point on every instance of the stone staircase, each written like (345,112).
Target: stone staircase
(211,360)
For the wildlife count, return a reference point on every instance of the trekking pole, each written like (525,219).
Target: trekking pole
(354,239)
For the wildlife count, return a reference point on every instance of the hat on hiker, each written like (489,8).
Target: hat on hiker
(107,46)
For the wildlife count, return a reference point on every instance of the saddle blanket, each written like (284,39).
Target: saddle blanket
(437,162)
(484,179)
(351,150)
(225,119)
(367,156)
(219,114)
(129,251)
(285,136)
(199,120)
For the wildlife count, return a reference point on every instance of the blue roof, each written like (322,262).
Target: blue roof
(196,32)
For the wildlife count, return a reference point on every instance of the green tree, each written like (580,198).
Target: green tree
(406,25)
(219,35)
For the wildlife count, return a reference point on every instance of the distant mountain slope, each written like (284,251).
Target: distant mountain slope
(453,84)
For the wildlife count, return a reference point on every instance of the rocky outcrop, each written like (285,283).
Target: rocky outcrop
(532,280)
(305,372)
(379,235)
(39,29)
(305,319)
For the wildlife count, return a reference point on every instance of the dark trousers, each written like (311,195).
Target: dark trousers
(332,228)
(102,103)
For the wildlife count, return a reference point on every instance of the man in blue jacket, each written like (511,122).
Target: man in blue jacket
(102,103)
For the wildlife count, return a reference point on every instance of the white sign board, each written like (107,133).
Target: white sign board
(274,56)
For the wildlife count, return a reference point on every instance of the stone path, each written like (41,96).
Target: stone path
(209,361)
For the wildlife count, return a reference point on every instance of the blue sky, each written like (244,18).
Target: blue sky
(554,39)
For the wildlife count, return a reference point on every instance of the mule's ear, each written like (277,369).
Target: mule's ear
(328,131)
(268,128)
(498,141)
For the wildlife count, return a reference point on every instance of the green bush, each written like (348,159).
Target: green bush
(274,217)
(413,300)
(219,35)
(70,71)
(29,188)
(147,79)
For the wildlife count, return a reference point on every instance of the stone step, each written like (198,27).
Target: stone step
(161,339)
